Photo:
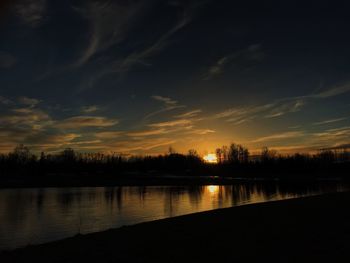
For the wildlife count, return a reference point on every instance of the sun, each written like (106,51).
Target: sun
(210,158)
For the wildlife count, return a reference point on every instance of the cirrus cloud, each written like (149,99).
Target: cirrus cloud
(86,121)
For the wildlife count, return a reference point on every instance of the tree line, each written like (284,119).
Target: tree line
(233,161)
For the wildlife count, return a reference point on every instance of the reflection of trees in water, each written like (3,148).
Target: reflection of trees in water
(299,189)
(92,195)
(114,194)
(171,199)
(67,197)
(195,194)
(142,191)
(40,199)
(109,196)
(16,205)
(119,197)
(246,192)
(264,191)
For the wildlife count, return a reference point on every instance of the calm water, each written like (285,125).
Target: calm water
(33,216)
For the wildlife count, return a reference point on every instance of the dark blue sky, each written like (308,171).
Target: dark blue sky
(140,76)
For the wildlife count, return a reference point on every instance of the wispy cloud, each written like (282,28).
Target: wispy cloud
(22,121)
(108,134)
(167,101)
(139,56)
(31,12)
(280,136)
(148,133)
(168,105)
(243,114)
(242,58)
(5,101)
(329,121)
(189,114)
(25,117)
(201,131)
(7,60)
(141,146)
(89,109)
(283,108)
(331,134)
(338,147)
(334,91)
(280,107)
(122,66)
(109,23)
(86,121)
(181,122)
(31,102)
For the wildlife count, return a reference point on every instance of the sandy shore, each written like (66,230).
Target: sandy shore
(312,229)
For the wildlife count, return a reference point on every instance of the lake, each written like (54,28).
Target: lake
(40,215)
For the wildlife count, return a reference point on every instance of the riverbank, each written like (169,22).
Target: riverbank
(311,229)
(77,180)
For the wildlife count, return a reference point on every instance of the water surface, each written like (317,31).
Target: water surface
(40,215)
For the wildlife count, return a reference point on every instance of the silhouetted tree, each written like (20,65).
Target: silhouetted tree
(21,155)
(68,155)
(267,154)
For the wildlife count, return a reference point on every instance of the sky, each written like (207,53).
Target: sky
(138,77)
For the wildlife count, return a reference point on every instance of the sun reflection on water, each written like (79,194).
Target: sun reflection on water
(213,189)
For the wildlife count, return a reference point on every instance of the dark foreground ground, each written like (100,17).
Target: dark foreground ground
(312,229)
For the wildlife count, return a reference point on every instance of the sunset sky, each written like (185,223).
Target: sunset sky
(140,76)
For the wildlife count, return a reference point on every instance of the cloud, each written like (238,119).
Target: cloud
(5,101)
(7,60)
(34,127)
(285,107)
(333,134)
(182,122)
(148,133)
(201,131)
(85,121)
(189,114)
(338,147)
(89,109)
(329,121)
(243,114)
(138,57)
(168,105)
(25,117)
(31,12)
(188,10)
(18,125)
(166,100)
(31,102)
(280,136)
(109,23)
(53,141)
(141,146)
(85,142)
(122,64)
(278,107)
(241,58)
(108,134)
(334,91)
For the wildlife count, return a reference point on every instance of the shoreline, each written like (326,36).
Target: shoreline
(306,229)
(60,181)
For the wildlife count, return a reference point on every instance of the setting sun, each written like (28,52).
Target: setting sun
(210,158)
